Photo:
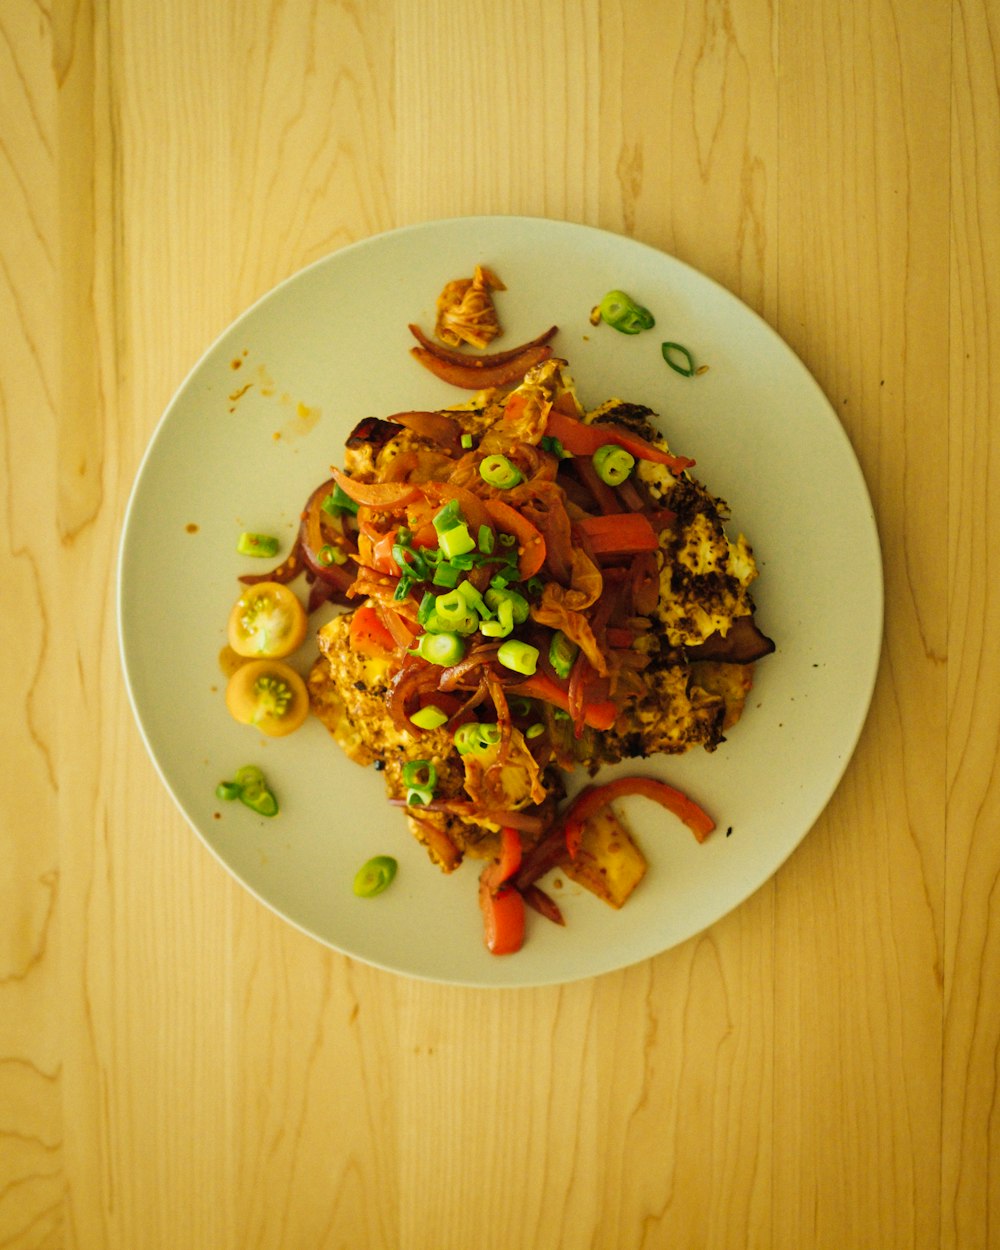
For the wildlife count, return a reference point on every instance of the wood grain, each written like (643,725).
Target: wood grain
(180,1068)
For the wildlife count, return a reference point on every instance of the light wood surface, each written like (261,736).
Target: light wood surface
(180,1070)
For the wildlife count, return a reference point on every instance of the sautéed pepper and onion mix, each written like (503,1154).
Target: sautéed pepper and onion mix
(528,588)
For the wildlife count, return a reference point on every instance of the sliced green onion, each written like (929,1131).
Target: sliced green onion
(534,586)
(410,561)
(403,588)
(466,737)
(520,706)
(465,624)
(456,541)
(485,539)
(466,441)
(613,464)
(502,626)
(429,717)
(519,657)
(374,876)
(261,801)
(473,598)
(623,313)
(498,595)
(444,649)
(446,574)
(339,501)
(506,540)
(449,516)
(500,472)
(553,445)
(451,607)
(328,555)
(670,350)
(420,773)
(426,608)
(562,653)
(534,731)
(474,738)
(250,788)
(263,545)
(419,796)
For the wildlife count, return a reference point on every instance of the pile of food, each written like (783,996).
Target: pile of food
(529,588)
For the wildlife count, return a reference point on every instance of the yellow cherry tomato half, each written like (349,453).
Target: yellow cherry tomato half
(267,620)
(268,695)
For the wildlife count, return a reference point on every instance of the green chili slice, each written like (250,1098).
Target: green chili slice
(374,876)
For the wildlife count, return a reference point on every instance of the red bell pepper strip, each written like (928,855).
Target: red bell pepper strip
(503,919)
(591,799)
(369,634)
(530,543)
(502,906)
(597,714)
(621,533)
(510,854)
(580,439)
(471,377)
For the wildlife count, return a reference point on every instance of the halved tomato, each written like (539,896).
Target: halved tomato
(269,695)
(267,620)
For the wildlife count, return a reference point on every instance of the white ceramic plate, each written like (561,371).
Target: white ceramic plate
(241,448)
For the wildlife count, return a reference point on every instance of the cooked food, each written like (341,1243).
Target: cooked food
(530,588)
(465,311)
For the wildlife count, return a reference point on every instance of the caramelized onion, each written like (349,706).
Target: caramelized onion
(434,426)
(479,362)
(471,376)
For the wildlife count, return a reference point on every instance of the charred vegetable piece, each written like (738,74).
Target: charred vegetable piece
(607,861)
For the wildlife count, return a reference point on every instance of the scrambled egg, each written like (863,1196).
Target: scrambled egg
(680,700)
(704,576)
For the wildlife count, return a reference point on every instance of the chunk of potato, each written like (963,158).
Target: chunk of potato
(608,863)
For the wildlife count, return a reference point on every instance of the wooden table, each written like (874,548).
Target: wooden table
(181,1069)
